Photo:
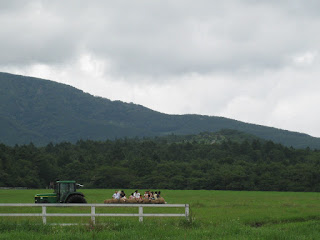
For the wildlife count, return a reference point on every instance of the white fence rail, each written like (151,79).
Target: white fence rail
(93,213)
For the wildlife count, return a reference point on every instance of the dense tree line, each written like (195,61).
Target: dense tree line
(134,163)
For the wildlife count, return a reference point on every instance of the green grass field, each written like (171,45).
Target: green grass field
(215,215)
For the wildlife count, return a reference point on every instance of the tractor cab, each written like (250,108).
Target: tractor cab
(63,189)
(64,192)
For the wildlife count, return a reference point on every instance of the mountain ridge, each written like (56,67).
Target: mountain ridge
(42,111)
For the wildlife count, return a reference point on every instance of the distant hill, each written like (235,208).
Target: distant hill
(219,137)
(43,111)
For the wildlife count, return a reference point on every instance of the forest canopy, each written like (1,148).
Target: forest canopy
(159,163)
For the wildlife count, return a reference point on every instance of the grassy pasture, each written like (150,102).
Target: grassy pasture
(215,215)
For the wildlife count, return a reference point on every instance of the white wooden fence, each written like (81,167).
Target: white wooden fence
(93,213)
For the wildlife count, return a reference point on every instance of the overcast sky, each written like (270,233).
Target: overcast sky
(254,61)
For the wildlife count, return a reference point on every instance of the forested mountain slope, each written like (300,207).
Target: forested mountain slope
(43,111)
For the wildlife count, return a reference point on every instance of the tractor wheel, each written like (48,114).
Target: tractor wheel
(76,199)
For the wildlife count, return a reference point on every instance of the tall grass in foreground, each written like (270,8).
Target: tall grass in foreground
(215,215)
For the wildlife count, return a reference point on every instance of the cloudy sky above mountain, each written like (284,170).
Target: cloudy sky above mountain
(254,61)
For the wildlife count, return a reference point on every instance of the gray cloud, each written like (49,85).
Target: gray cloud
(255,61)
(157,37)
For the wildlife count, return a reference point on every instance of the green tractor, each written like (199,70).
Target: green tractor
(64,192)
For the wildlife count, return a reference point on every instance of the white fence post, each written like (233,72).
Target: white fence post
(140,214)
(187,212)
(44,214)
(93,212)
